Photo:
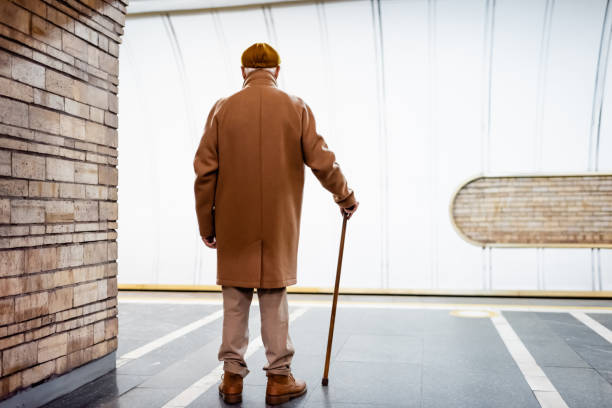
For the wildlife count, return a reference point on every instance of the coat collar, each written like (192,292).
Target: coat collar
(260,77)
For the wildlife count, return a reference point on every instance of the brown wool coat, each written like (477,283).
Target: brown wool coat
(249,182)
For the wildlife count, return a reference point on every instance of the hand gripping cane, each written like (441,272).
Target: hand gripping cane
(330,336)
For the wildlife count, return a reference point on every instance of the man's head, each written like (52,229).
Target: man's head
(260,56)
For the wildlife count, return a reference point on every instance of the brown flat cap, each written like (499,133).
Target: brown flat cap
(260,55)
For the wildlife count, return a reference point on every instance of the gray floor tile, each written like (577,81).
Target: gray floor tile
(593,349)
(606,374)
(315,343)
(474,355)
(358,320)
(184,372)
(543,342)
(476,345)
(371,383)
(581,387)
(570,355)
(127,382)
(572,330)
(108,404)
(598,357)
(603,318)
(147,397)
(440,324)
(381,348)
(460,387)
(329,404)
(157,360)
(142,323)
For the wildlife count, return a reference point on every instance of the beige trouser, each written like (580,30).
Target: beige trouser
(274,312)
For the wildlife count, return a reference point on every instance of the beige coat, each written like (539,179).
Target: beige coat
(250,178)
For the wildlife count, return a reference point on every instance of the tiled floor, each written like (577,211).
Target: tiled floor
(387,352)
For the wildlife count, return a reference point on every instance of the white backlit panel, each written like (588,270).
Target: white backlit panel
(457,152)
(570,83)
(567,269)
(354,134)
(447,117)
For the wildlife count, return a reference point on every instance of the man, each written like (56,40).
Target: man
(249,182)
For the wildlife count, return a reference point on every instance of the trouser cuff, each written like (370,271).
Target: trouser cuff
(278,371)
(235,368)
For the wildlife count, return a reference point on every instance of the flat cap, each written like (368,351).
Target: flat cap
(260,55)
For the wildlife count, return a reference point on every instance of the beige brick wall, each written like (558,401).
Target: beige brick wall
(58,186)
(536,211)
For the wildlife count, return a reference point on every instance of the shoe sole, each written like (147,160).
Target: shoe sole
(281,399)
(231,398)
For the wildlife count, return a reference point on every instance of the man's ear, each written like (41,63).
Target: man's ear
(276,72)
(243,73)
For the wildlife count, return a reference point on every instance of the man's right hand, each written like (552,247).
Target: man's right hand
(349,210)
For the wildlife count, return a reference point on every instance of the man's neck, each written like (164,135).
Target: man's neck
(260,77)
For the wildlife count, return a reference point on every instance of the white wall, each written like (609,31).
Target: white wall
(474,86)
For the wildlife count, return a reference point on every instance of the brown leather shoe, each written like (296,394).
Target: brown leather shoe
(230,388)
(282,388)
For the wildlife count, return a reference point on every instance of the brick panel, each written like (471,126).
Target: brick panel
(572,210)
(58,186)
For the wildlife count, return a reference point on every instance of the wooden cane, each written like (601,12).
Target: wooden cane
(330,336)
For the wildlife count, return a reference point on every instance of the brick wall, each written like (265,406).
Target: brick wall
(536,211)
(58,186)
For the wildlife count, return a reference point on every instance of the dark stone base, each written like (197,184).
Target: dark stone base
(48,391)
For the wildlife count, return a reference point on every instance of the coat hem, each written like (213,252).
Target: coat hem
(252,284)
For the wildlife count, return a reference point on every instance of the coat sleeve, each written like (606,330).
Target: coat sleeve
(206,165)
(322,161)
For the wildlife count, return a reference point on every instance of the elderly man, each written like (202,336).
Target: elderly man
(249,182)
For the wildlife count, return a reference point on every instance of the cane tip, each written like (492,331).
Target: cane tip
(325,381)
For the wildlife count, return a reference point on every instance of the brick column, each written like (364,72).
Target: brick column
(58,186)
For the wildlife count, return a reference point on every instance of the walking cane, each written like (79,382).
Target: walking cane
(330,336)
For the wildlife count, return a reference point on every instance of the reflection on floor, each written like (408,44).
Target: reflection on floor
(387,352)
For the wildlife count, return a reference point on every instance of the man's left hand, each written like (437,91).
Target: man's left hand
(210,242)
(350,210)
